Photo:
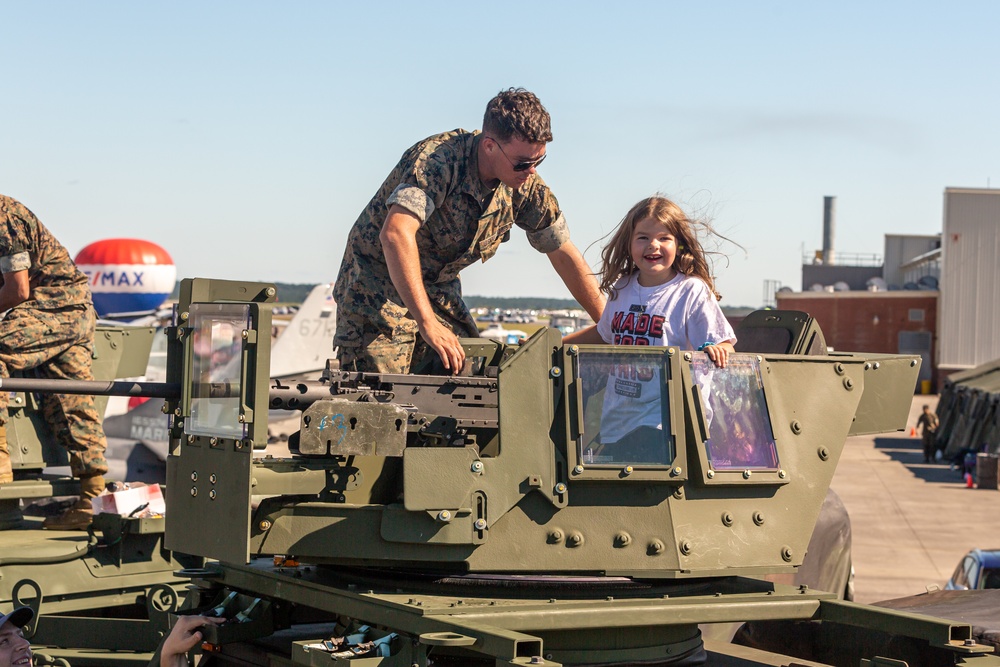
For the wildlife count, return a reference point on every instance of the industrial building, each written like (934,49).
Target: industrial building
(932,295)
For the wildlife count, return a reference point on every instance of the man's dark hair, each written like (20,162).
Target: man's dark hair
(517,113)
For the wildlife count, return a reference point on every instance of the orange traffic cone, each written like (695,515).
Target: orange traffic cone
(913,431)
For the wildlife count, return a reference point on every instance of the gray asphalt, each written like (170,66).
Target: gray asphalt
(911,522)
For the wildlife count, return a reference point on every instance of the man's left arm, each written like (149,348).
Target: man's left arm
(568,262)
(15,290)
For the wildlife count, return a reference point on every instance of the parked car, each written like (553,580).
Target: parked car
(980,568)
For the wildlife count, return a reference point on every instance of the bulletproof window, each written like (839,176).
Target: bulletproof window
(625,408)
(216,348)
(735,411)
(916,314)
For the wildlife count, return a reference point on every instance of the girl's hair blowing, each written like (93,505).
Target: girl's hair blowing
(616,258)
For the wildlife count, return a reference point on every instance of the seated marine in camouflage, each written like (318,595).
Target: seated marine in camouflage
(450,202)
(49,327)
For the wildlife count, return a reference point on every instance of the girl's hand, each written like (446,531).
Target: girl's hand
(719,353)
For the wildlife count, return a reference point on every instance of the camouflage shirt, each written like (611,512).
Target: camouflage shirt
(462,222)
(26,245)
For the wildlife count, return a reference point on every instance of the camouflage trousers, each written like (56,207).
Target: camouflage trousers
(401,352)
(57,345)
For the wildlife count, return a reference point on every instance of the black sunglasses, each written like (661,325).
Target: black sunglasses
(519,166)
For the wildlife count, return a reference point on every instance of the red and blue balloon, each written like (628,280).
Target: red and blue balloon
(127,276)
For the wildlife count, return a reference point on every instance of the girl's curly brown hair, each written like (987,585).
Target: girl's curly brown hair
(691,259)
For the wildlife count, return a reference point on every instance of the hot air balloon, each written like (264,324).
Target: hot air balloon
(127,276)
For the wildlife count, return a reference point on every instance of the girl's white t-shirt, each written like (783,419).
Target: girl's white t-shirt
(682,312)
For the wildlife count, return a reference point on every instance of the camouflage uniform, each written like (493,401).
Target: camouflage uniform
(462,221)
(51,332)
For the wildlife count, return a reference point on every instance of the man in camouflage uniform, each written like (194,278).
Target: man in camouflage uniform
(451,201)
(49,327)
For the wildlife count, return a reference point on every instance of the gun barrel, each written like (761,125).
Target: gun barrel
(93,387)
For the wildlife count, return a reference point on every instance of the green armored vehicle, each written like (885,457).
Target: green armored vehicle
(111,588)
(550,505)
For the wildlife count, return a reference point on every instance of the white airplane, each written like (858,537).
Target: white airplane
(507,336)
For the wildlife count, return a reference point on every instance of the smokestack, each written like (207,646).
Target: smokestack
(829,217)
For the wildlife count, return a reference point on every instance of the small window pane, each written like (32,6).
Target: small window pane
(916,314)
(739,427)
(625,408)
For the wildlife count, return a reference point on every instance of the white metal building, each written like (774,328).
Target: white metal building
(969,309)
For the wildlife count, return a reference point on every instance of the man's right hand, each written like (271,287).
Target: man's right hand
(446,344)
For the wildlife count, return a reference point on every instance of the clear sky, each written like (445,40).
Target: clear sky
(245,137)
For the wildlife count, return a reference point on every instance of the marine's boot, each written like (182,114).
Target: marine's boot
(6,471)
(81,514)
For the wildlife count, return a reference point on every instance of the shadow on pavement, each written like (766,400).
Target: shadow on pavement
(909,452)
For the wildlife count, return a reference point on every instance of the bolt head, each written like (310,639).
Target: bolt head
(444,515)
(480,524)
(578,470)
(560,488)
(628,470)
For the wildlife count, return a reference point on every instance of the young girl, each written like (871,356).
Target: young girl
(660,293)
(659,288)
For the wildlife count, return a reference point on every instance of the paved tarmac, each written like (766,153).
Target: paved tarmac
(911,522)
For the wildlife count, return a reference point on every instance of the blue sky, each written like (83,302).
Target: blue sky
(246,137)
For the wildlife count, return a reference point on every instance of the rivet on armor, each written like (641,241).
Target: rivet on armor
(211,494)
(758,518)
(194,491)
(194,475)
(623,539)
(184,316)
(746,474)
(245,334)
(824,454)
(480,524)
(477,466)
(710,474)
(655,548)
(676,471)
(838,368)
(190,439)
(686,548)
(265,525)
(727,519)
(781,474)
(627,470)
(867,366)
(270,291)
(848,384)
(213,478)
(913,362)
(578,470)
(560,488)
(444,515)
(786,553)
(574,540)
(573,349)
(555,536)
(876,365)
(796,426)
(687,356)
(555,372)
(213,441)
